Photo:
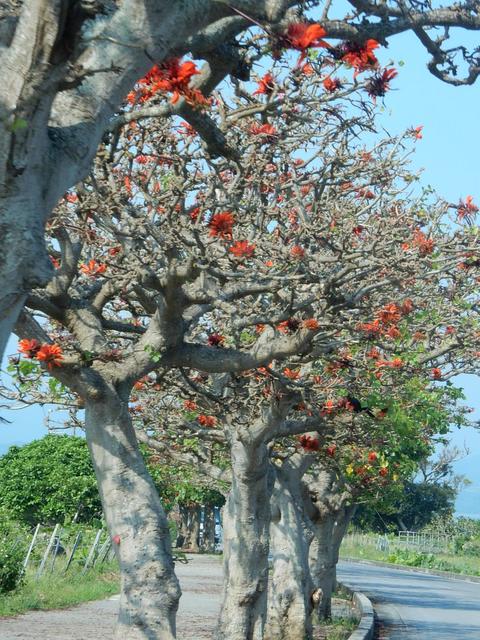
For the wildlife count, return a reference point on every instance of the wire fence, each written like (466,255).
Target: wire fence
(431,542)
(67,550)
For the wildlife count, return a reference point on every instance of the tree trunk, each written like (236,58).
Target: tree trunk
(137,523)
(322,563)
(24,262)
(329,532)
(246,521)
(291,587)
(208,542)
(192,537)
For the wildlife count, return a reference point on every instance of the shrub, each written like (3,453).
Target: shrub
(12,553)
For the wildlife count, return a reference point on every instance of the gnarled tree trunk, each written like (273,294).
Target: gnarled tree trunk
(208,542)
(246,520)
(137,523)
(329,531)
(290,588)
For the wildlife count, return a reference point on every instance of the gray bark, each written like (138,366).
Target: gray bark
(208,542)
(149,588)
(329,530)
(246,519)
(291,587)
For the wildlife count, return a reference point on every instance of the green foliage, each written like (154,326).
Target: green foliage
(12,553)
(53,591)
(49,480)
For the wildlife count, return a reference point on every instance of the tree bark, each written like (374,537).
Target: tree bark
(208,542)
(137,523)
(291,587)
(192,536)
(246,521)
(329,531)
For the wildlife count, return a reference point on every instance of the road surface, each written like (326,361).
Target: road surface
(417,606)
(200,580)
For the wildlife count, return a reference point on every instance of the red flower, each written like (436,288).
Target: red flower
(328,407)
(372,329)
(374,353)
(114,250)
(291,373)
(287,326)
(190,405)
(383,471)
(372,456)
(55,262)
(116,539)
(242,249)
(379,84)
(215,340)
(425,245)
(417,132)
(331,449)
(71,197)
(297,252)
(407,307)
(304,35)
(29,348)
(309,443)
(332,84)
(93,268)
(360,56)
(50,354)
(311,324)
(206,421)
(466,209)
(436,373)
(266,130)
(265,85)
(221,224)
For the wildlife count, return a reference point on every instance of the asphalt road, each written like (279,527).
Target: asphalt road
(416,605)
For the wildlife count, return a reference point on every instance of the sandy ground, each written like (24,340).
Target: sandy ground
(200,580)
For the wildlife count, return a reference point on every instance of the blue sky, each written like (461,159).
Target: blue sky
(448,153)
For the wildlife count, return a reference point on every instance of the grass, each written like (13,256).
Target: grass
(56,591)
(364,549)
(342,624)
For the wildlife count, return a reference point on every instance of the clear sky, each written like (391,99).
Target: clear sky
(448,153)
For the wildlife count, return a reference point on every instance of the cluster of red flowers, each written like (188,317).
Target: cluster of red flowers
(242,249)
(216,340)
(206,421)
(268,131)
(379,83)
(386,320)
(359,56)
(221,225)
(466,210)
(93,268)
(309,443)
(266,85)
(331,84)
(50,354)
(172,76)
(424,245)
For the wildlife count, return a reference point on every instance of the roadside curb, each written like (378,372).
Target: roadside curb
(432,572)
(364,609)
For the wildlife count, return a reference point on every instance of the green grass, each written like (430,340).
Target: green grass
(412,557)
(55,591)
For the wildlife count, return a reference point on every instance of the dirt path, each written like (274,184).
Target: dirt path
(200,580)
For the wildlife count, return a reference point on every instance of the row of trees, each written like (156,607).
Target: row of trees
(269,302)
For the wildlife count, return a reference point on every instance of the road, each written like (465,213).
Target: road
(200,580)
(416,605)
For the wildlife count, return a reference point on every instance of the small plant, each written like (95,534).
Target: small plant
(12,553)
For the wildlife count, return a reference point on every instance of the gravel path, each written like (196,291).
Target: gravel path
(200,580)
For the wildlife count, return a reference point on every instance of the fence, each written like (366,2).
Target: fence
(405,539)
(67,550)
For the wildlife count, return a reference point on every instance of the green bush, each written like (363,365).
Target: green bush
(12,554)
(471,548)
